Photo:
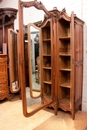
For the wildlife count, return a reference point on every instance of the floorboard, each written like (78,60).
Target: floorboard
(12,118)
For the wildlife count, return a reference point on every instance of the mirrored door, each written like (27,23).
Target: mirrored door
(13,60)
(31,95)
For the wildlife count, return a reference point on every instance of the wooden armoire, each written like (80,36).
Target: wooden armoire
(61,59)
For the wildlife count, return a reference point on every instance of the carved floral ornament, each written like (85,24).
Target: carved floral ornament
(48,14)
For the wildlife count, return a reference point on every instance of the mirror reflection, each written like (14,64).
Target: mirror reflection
(34,63)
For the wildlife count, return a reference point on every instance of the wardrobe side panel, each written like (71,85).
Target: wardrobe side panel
(78,63)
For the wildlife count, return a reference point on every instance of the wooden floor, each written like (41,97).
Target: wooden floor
(11,118)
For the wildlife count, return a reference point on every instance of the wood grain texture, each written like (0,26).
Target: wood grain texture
(11,117)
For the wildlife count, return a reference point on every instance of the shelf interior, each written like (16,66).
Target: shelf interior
(65,100)
(47,89)
(47,75)
(64,79)
(65,62)
(64,28)
(64,46)
(46,31)
(47,47)
(47,61)
(64,94)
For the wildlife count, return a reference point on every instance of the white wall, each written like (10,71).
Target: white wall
(80,9)
(84,102)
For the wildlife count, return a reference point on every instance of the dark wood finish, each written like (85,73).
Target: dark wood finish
(61,45)
(4,91)
(7,17)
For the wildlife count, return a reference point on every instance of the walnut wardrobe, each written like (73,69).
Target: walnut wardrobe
(61,59)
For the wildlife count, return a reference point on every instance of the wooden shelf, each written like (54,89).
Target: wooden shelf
(65,65)
(65,38)
(63,69)
(47,96)
(47,82)
(45,40)
(65,100)
(64,103)
(46,57)
(64,54)
(66,85)
(46,54)
(49,68)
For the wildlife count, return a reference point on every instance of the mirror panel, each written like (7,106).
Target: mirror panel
(13,60)
(33,92)
(34,60)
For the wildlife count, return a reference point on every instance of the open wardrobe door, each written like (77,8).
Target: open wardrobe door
(39,92)
(13,60)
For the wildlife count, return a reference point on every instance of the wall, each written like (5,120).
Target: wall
(84,102)
(80,9)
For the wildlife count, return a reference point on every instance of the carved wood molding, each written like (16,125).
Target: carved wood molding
(8,11)
(64,15)
(37,5)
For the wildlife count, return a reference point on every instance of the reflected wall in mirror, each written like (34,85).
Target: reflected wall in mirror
(13,60)
(34,60)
